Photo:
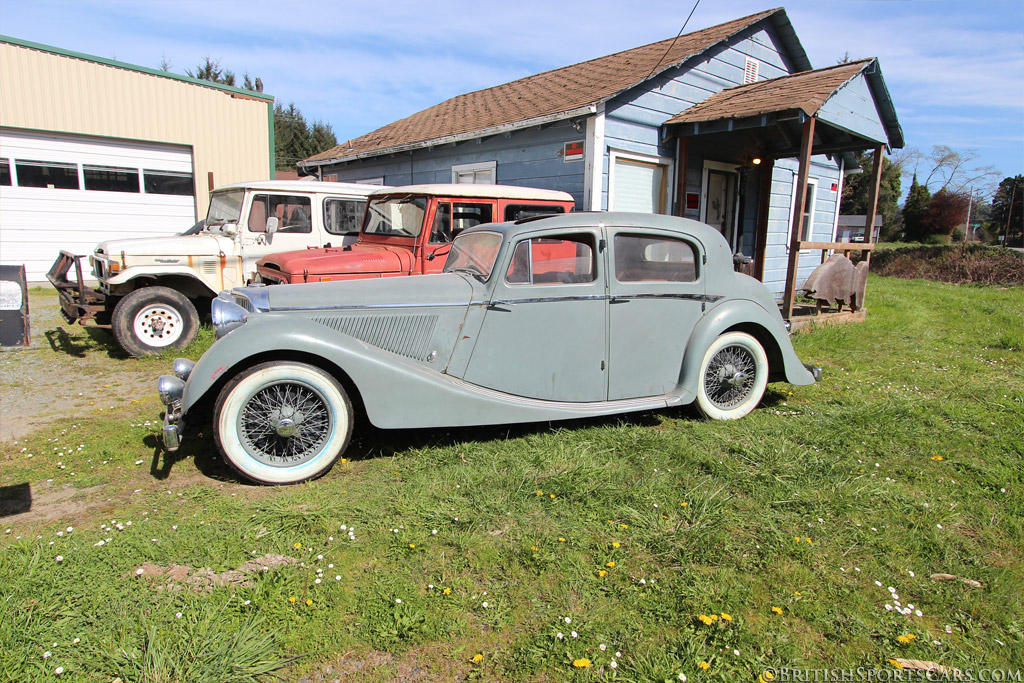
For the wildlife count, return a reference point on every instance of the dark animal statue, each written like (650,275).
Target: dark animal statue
(837,279)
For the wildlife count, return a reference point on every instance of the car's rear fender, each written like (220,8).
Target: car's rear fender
(745,316)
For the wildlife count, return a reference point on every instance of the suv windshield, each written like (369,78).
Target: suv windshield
(225,207)
(401,215)
(474,253)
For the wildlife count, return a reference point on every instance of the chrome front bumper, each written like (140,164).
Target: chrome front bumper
(171,388)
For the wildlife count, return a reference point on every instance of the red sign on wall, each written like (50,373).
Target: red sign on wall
(692,200)
(573,151)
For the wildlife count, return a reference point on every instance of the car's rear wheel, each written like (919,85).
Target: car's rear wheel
(282,422)
(152,319)
(733,377)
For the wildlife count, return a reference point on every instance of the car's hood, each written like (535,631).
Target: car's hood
(399,292)
(177,245)
(357,258)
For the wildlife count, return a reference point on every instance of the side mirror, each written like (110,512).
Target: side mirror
(272,224)
(440,251)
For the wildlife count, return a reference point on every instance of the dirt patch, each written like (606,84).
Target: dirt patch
(179,576)
(67,370)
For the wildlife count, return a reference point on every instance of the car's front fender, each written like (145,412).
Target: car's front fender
(748,316)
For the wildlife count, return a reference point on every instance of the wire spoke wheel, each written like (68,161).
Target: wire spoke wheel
(730,376)
(285,424)
(733,376)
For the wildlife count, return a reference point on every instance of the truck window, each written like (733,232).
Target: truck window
(343,216)
(452,218)
(515,212)
(292,211)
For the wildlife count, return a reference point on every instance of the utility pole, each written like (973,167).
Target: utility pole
(1009,213)
(970,205)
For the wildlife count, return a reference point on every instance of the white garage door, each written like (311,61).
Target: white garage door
(71,192)
(638,185)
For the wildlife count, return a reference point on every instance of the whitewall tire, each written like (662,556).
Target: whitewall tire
(733,377)
(282,422)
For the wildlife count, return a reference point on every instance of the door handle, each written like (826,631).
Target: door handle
(497,306)
(616,300)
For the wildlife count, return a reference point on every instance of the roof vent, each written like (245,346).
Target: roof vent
(750,70)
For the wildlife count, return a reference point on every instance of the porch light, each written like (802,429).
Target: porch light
(756,161)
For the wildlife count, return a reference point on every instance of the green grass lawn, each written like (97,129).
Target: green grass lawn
(632,549)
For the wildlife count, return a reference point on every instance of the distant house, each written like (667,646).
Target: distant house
(709,125)
(94,149)
(850,227)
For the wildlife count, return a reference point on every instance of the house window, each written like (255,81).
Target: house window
(365,181)
(51,174)
(5,172)
(809,203)
(110,179)
(481,173)
(750,69)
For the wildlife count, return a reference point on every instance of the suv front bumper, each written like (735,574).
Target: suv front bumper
(77,301)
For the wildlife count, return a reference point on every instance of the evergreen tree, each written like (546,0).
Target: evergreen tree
(914,211)
(210,70)
(856,188)
(295,140)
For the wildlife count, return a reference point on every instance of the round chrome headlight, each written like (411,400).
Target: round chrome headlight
(226,316)
(170,389)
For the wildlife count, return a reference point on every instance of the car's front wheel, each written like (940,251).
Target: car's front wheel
(153,319)
(282,422)
(733,377)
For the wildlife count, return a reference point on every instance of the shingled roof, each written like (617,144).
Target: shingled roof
(552,94)
(807,91)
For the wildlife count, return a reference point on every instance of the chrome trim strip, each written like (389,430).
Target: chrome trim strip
(709,298)
(350,307)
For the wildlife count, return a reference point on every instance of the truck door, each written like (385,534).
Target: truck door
(451,218)
(294,215)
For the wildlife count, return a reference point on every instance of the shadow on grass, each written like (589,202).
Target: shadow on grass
(78,345)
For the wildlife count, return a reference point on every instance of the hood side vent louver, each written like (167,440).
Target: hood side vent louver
(405,335)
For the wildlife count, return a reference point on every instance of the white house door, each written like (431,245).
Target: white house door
(638,186)
(720,202)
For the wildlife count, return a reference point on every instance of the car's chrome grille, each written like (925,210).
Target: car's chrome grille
(406,335)
(243,302)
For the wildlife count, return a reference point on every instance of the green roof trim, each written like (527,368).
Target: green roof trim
(135,67)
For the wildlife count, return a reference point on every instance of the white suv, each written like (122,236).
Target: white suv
(149,288)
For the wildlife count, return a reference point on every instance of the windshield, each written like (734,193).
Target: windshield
(225,207)
(402,216)
(474,253)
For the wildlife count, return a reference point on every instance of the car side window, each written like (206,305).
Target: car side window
(293,213)
(646,258)
(451,218)
(553,260)
(516,212)
(343,216)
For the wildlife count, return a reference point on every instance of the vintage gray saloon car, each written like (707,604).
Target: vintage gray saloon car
(546,318)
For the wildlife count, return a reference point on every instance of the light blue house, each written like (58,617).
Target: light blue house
(719,125)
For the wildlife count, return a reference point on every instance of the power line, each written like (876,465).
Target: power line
(673,43)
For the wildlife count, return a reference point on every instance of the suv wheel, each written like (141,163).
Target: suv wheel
(153,319)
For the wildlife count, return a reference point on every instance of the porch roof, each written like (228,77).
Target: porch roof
(851,99)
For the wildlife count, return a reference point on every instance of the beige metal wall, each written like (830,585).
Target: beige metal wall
(229,133)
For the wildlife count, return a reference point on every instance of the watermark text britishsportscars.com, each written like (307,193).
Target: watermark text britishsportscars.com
(856,675)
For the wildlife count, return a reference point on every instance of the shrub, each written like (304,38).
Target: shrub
(960,264)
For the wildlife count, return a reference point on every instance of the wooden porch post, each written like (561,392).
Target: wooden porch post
(681,151)
(763,205)
(806,145)
(869,221)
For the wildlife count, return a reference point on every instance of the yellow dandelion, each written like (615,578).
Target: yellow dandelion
(616,544)
(726,617)
(937,457)
(297,546)
(903,640)
(704,665)
(623,526)
(447,591)
(539,492)
(911,636)
(309,603)
(581,663)
(602,573)
(552,495)
(705,619)
(895,663)
(808,540)
(477,659)
(291,599)
(797,539)
(344,460)
(534,548)
(412,545)
(609,564)
(682,505)
(777,610)
(561,539)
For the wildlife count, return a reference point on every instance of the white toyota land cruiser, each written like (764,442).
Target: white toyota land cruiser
(150,290)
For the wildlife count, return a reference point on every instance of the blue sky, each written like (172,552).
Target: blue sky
(955,70)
